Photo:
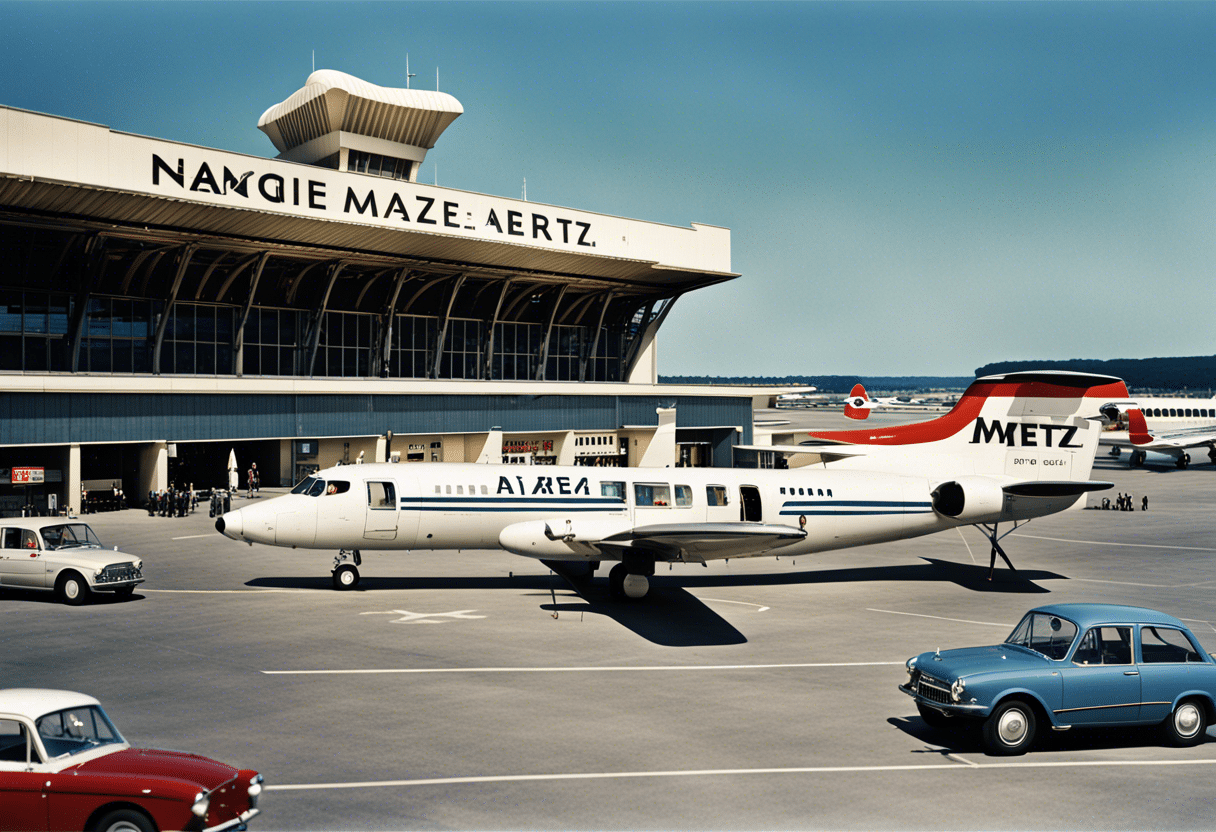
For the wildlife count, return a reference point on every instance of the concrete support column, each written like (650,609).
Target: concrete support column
(153,468)
(564,445)
(73,495)
(381,449)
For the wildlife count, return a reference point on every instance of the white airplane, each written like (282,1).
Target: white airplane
(796,398)
(859,404)
(1016,446)
(1171,426)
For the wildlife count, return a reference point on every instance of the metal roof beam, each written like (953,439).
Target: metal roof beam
(544,344)
(239,335)
(595,341)
(384,346)
(313,339)
(183,261)
(488,367)
(443,325)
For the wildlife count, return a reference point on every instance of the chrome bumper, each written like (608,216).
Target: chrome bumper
(950,709)
(238,823)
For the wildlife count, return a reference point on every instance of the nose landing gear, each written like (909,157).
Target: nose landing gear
(346,575)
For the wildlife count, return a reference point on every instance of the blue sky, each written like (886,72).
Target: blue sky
(912,188)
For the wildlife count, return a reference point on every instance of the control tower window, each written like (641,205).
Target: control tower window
(377,165)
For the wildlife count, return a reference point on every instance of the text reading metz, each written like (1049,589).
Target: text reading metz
(1022,433)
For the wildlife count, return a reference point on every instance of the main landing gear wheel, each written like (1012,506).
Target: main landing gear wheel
(1183,461)
(346,576)
(625,584)
(1136,459)
(1114,452)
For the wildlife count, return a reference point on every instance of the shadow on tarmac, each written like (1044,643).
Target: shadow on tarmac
(965,575)
(965,739)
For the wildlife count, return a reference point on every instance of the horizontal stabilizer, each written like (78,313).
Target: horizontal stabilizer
(1055,488)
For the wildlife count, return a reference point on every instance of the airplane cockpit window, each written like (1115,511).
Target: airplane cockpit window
(337,487)
(305,485)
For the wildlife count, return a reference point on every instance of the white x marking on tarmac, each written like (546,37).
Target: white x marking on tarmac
(408,617)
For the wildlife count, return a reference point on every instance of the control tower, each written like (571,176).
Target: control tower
(341,122)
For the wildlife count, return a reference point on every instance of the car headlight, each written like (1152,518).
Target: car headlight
(956,690)
(97,572)
(201,803)
(910,665)
(255,786)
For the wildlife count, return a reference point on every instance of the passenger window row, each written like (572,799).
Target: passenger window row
(1181,412)
(810,492)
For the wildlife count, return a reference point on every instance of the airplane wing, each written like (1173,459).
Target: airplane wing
(1170,441)
(611,537)
(698,542)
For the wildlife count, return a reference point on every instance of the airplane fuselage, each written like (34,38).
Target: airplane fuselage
(470,506)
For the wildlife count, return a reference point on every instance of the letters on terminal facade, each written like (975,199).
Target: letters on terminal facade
(274,189)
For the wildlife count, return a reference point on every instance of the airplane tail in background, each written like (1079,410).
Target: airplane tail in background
(1028,426)
(857,405)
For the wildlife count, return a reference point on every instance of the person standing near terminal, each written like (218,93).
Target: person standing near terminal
(257,478)
(1144,503)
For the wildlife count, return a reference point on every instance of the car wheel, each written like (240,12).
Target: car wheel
(1009,730)
(1187,725)
(72,589)
(935,718)
(346,577)
(124,820)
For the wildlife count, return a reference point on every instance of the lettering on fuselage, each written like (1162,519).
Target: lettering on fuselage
(1024,434)
(544,485)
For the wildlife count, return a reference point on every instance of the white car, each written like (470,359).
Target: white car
(64,556)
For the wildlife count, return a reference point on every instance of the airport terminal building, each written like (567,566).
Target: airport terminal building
(164,305)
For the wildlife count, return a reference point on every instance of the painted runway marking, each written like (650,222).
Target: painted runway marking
(733,772)
(192,536)
(1108,543)
(762,608)
(940,618)
(1150,586)
(408,617)
(231,591)
(613,669)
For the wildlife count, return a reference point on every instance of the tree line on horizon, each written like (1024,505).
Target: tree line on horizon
(1192,373)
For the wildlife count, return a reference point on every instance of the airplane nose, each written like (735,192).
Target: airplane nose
(230,525)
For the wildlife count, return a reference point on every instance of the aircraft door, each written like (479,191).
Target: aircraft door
(751,510)
(381,523)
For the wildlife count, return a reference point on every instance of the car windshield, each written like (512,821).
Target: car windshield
(70,536)
(73,730)
(1048,635)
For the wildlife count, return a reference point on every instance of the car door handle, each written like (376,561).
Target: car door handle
(1131,673)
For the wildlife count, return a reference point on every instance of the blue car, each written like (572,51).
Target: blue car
(1071,665)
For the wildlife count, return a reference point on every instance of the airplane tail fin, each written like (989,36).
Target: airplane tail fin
(1031,426)
(857,405)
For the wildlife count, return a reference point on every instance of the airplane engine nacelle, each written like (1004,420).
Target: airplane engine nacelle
(561,538)
(970,500)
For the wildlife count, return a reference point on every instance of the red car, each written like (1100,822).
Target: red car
(63,766)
